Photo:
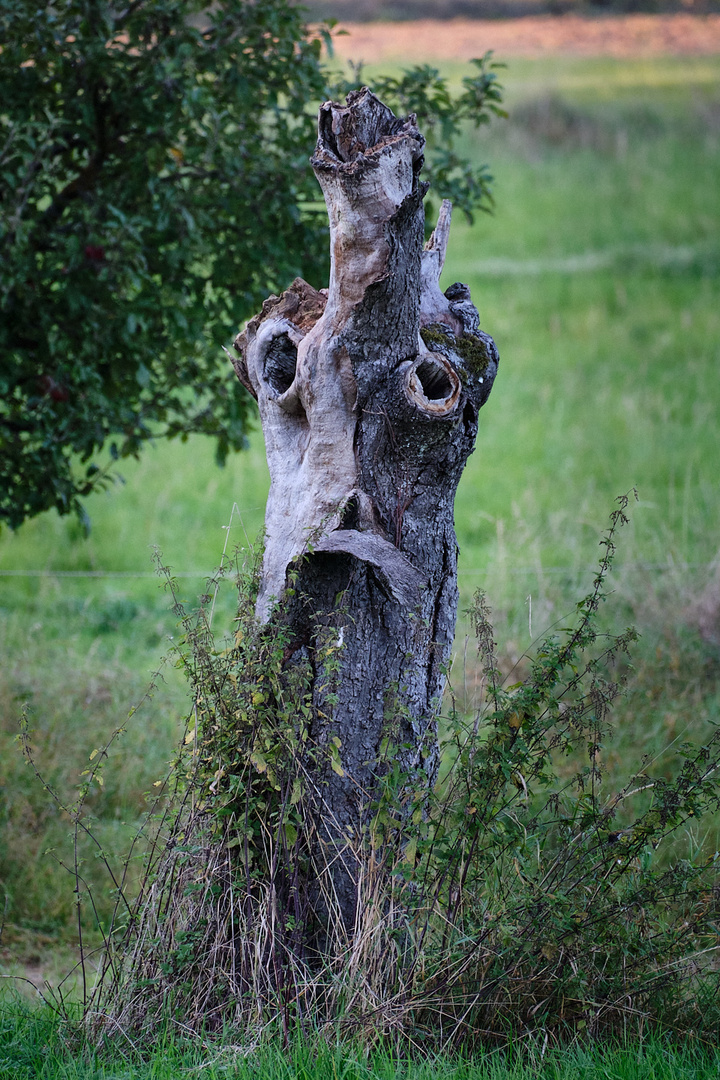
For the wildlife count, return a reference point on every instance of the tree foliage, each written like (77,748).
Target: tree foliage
(154,185)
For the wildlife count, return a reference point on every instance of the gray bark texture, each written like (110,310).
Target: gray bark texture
(369,393)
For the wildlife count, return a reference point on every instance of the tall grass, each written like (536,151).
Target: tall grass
(530,890)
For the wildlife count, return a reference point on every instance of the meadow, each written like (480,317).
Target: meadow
(598,277)
(32,1048)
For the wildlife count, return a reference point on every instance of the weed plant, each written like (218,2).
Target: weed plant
(523,894)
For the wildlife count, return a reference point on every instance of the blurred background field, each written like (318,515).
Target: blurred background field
(389,11)
(598,277)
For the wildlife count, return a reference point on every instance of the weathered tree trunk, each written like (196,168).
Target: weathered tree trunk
(369,394)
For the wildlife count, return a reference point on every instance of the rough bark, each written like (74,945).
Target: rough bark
(369,394)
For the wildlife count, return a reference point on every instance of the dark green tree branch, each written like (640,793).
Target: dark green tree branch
(154,186)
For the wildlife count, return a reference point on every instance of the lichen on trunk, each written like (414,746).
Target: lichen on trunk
(369,393)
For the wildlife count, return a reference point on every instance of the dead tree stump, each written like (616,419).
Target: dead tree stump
(369,393)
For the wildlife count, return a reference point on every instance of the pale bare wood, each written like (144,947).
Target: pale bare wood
(369,394)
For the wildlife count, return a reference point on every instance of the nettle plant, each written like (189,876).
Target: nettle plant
(552,900)
(522,894)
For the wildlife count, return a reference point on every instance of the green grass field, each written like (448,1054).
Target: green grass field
(33,1046)
(598,276)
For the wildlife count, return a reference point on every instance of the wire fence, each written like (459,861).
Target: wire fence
(205,574)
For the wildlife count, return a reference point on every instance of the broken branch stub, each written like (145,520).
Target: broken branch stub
(369,393)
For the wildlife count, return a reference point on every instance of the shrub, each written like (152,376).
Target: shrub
(522,894)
